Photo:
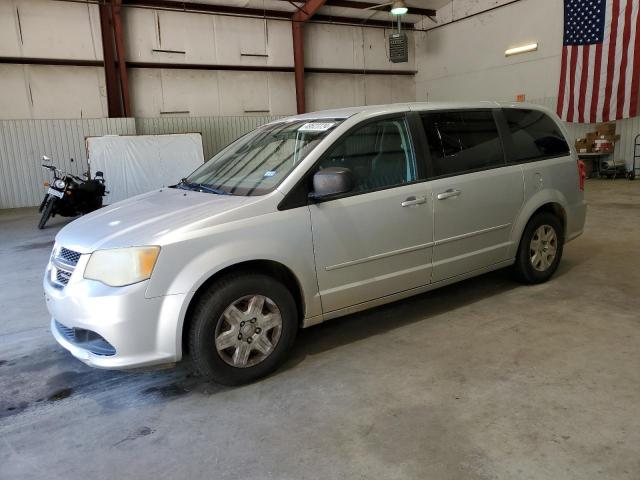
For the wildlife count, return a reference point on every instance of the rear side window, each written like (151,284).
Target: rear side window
(462,141)
(534,135)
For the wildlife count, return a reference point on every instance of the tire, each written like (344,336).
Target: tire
(43,203)
(215,323)
(48,209)
(544,231)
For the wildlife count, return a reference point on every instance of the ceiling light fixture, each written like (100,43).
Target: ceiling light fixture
(399,8)
(522,49)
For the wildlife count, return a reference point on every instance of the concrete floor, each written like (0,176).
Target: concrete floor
(484,379)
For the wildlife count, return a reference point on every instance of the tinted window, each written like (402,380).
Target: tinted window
(462,141)
(378,154)
(534,135)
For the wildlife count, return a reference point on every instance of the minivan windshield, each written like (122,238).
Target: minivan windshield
(257,162)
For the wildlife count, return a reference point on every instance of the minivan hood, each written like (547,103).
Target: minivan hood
(145,219)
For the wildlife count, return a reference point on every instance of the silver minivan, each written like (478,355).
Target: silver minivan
(310,218)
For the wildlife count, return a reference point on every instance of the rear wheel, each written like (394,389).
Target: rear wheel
(540,249)
(242,328)
(46,213)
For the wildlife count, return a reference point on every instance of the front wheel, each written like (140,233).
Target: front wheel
(43,203)
(242,328)
(540,249)
(48,209)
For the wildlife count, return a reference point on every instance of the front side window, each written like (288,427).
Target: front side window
(378,154)
(462,141)
(534,135)
(256,163)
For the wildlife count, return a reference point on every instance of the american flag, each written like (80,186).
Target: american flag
(600,73)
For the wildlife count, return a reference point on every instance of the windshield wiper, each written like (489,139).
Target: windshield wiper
(201,187)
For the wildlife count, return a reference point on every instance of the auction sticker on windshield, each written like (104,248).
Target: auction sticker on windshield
(316,127)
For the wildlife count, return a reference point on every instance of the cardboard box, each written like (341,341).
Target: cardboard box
(606,129)
(608,138)
(581,145)
(585,145)
(604,144)
(603,150)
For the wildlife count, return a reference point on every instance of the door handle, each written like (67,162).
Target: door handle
(411,201)
(448,194)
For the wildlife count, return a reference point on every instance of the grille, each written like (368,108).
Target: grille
(63,266)
(62,277)
(86,339)
(68,256)
(66,332)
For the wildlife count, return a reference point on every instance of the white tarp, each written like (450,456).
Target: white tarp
(138,164)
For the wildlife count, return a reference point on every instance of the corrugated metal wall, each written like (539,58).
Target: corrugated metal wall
(217,132)
(23,142)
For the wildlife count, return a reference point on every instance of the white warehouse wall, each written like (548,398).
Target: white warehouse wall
(47,29)
(61,30)
(465,60)
(221,40)
(338,46)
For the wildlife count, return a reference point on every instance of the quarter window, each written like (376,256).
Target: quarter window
(379,155)
(534,135)
(462,141)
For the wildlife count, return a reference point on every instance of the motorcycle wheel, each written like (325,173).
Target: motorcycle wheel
(46,213)
(43,203)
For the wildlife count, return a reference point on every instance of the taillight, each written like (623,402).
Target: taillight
(582,173)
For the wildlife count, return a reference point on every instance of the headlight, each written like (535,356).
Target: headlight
(121,266)
(59,184)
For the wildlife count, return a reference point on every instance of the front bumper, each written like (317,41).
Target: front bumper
(141,331)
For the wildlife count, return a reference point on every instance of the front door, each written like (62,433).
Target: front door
(476,195)
(376,240)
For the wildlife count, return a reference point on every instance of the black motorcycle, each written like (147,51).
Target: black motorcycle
(69,195)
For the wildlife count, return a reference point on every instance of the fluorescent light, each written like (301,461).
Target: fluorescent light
(399,8)
(522,49)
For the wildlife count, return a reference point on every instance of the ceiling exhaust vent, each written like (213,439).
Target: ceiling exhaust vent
(398,47)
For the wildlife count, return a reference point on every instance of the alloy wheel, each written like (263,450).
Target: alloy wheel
(543,247)
(248,331)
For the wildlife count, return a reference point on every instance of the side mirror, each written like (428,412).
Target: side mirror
(331,181)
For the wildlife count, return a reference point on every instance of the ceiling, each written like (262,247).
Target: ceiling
(326,11)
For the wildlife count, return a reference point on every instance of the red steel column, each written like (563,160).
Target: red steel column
(297,22)
(116,9)
(298,64)
(108,55)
